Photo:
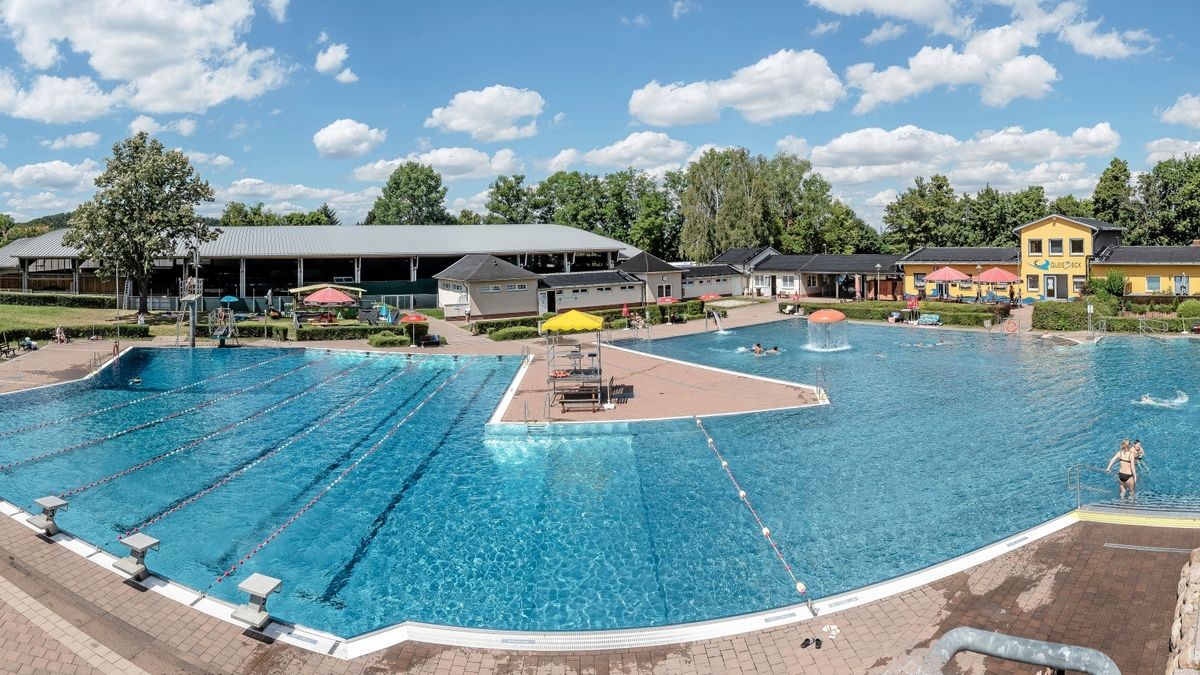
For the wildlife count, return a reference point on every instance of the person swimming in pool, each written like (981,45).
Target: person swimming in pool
(137,379)
(1126,460)
(772,350)
(758,349)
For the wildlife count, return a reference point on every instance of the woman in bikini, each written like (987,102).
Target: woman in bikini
(1126,470)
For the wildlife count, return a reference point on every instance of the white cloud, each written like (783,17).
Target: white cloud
(347,138)
(476,202)
(209,159)
(876,147)
(166,56)
(651,151)
(1185,110)
(1087,40)
(639,21)
(559,117)
(56,100)
(792,145)
(42,201)
(255,188)
(330,59)
(83,139)
(1016,144)
(278,9)
(783,84)
(494,113)
(564,160)
(938,15)
(1058,178)
(886,31)
(55,175)
(681,7)
(184,126)
(347,76)
(1165,148)
(824,27)
(883,197)
(452,163)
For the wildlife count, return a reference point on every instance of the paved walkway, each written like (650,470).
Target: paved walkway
(53,363)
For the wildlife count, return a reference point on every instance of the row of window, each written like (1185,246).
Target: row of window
(600,289)
(495,288)
(705,281)
(1056,246)
(1033,282)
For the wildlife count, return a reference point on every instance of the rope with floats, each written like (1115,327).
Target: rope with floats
(345,472)
(766,531)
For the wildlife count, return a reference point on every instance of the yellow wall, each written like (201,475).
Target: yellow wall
(1135,277)
(1044,264)
(911,270)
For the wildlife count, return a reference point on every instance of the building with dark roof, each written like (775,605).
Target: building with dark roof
(484,286)
(588,290)
(826,275)
(662,279)
(1152,270)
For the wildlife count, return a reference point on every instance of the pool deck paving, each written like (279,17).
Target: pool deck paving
(62,613)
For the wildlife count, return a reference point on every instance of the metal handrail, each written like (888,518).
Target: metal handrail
(1025,650)
(1153,325)
(822,386)
(1075,481)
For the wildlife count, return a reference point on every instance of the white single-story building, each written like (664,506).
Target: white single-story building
(662,279)
(743,260)
(700,280)
(588,290)
(486,287)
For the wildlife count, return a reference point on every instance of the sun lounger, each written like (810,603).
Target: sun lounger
(929,320)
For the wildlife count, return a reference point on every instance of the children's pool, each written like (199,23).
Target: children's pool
(382,497)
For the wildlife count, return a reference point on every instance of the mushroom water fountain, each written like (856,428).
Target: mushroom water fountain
(827,331)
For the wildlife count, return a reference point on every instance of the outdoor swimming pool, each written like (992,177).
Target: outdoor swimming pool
(924,454)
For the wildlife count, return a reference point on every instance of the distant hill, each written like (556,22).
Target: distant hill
(54,221)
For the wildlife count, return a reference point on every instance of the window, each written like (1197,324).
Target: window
(788,282)
(919,280)
(1031,282)
(451,287)
(759,280)
(579,290)
(810,280)
(516,287)
(1056,247)
(627,288)
(1076,247)
(1035,247)
(1153,284)
(558,292)
(491,288)
(1077,283)
(604,289)
(687,283)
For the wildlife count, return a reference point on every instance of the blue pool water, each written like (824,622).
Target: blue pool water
(925,453)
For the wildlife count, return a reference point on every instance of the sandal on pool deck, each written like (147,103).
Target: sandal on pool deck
(806,643)
(817,643)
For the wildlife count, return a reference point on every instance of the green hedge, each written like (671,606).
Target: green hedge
(1051,315)
(487,326)
(59,299)
(258,329)
(952,313)
(79,332)
(308,333)
(388,339)
(513,333)
(619,323)
(1189,309)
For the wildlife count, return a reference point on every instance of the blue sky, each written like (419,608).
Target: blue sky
(295,103)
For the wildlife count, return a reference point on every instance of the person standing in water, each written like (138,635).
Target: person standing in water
(1126,469)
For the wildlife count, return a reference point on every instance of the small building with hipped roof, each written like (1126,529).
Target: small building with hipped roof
(484,286)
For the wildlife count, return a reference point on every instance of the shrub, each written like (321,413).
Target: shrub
(388,339)
(79,332)
(1111,285)
(513,333)
(1050,315)
(619,323)
(1189,309)
(487,326)
(258,329)
(307,333)
(62,300)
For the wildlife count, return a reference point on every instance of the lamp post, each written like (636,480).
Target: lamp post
(978,290)
(877,268)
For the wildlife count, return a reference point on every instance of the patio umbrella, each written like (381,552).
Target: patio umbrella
(945,275)
(710,296)
(414,319)
(668,300)
(998,276)
(625,310)
(329,296)
(228,299)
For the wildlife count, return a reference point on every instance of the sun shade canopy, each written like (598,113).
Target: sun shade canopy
(574,320)
(329,296)
(946,274)
(996,275)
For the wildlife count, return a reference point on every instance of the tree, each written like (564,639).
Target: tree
(509,200)
(328,215)
(726,203)
(143,210)
(1169,199)
(801,202)
(1023,207)
(569,198)
(237,214)
(651,230)
(1112,200)
(1069,206)
(845,233)
(469,217)
(414,195)
(923,215)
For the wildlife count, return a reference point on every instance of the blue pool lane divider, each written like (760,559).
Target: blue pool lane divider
(330,379)
(141,399)
(361,458)
(766,531)
(155,422)
(229,477)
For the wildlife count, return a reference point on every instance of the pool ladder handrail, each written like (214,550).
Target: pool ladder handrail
(1075,481)
(822,386)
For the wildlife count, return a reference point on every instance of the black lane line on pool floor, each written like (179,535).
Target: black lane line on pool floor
(306,429)
(226,559)
(343,576)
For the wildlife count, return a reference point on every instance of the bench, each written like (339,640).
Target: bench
(579,399)
(429,341)
(7,350)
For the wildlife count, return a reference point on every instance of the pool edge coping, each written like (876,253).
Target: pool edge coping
(329,644)
(78,379)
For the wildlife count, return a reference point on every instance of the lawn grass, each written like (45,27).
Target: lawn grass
(13,317)
(433,313)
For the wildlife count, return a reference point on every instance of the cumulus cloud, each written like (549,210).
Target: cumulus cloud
(54,175)
(256,188)
(937,15)
(476,202)
(42,201)
(564,160)
(886,31)
(55,100)
(652,151)
(1016,144)
(1185,110)
(184,126)
(347,138)
(681,7)
(278,9)
(1086,38)
(347,76)
(824,27)
(209,159)
(83,139)
(331,59)
(495,113)
(783,84)
(452,163)
(792,145)
(1165,148)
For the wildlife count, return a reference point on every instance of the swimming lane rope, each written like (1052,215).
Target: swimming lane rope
(339,410)
(766,532)
(143,399)
(155,422)
(353,465)
(330,379)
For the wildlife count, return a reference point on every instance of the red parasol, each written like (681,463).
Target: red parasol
(329,296)
(710,296)
(414,319)
(668,300)
(998,276)
(946,274)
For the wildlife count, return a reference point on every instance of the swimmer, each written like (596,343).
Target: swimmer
(1126,460)
(137,379)
(772,350)
(880,355)
(758,349)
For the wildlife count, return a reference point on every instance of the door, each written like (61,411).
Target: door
(1051,282)
(543,302)
(1061,285)
(1181,285)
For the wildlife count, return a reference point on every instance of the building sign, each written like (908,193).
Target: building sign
(1044,264)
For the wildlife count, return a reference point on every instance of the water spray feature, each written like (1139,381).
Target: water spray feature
(827,331)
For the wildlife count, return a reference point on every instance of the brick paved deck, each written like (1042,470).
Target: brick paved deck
(1068,587)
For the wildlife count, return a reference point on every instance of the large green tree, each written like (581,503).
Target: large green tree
(1071,207)
(845,233)
(726,203)
(413,195)
(1169,200)
(569,198)
(143,210)
(237,214)
(509,200)
(926,214)
(1112,200)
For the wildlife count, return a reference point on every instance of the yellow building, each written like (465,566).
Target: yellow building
(1056,253)
(1152,270)
(971,261)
